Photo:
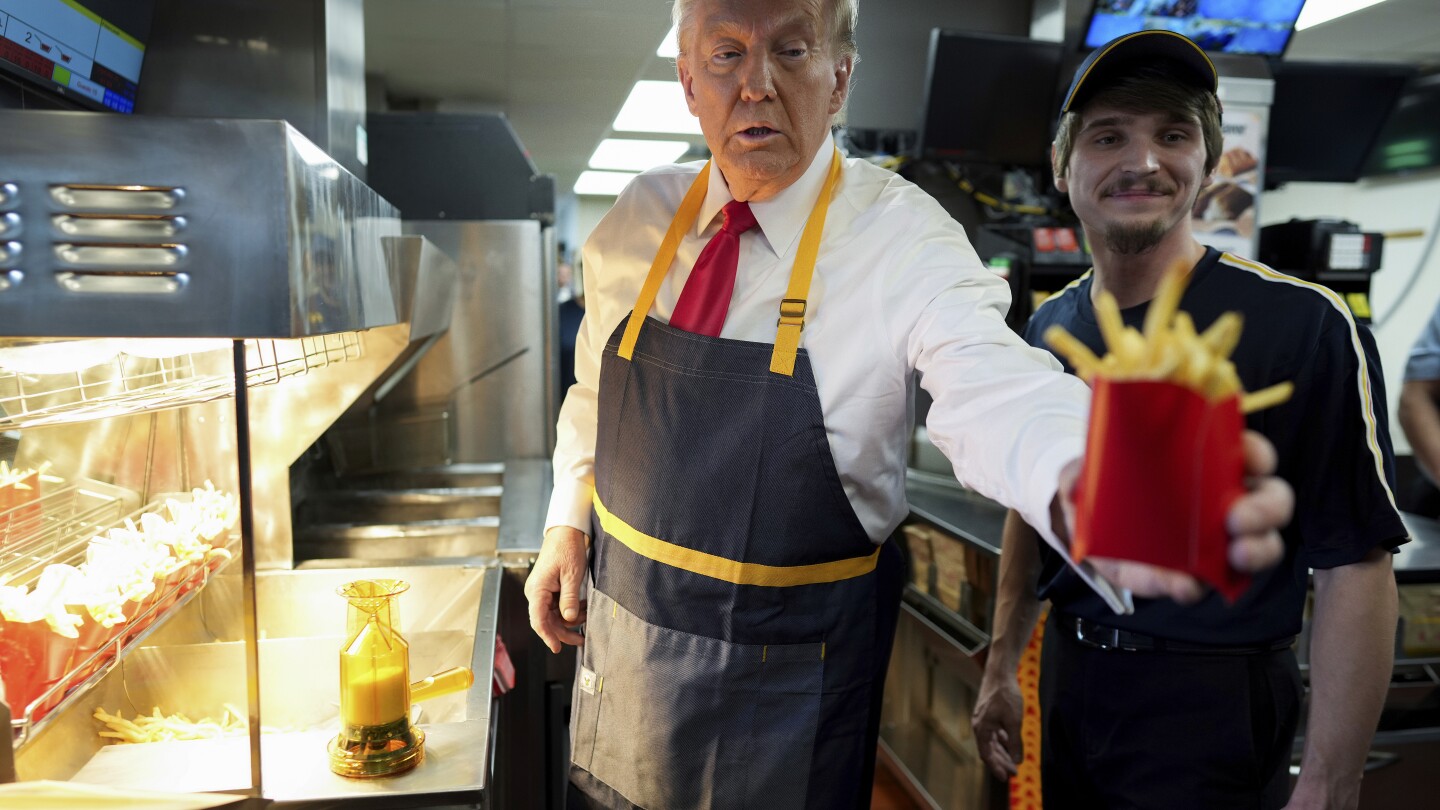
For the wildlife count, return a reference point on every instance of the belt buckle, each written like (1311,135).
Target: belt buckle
(1105,638)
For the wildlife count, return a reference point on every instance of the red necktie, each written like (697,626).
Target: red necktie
(706,297)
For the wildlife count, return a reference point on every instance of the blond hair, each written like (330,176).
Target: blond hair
(844,14)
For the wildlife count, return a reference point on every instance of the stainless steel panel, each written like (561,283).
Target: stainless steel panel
(455,475)
(118,226)
(283,242)
(489,371)
(99,255)
(528,483)
(465,538)
(399,506)
(298,60)
(120,283)
(116,198)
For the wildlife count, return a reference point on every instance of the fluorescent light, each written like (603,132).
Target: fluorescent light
(1323,11)
(635,156)
(602,184)
(670,47)
(656,107)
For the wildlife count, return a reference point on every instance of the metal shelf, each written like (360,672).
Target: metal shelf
(125,383)
(56,527)
(65,541)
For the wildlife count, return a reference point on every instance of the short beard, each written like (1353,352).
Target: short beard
(1131,239)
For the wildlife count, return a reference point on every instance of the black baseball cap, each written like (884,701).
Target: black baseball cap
(1113,59)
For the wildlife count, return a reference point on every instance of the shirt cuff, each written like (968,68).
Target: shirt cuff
(570,505)
(1047,478)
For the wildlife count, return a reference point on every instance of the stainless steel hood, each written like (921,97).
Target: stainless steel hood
(180,227)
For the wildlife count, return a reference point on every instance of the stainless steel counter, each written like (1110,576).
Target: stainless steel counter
(942,502)
(1419,559)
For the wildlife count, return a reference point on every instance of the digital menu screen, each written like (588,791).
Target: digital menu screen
(90,53)
(1229,26)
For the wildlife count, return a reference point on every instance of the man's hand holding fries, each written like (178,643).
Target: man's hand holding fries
(1170,351)
(1254,520)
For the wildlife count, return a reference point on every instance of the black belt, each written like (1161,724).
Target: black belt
(1112,638)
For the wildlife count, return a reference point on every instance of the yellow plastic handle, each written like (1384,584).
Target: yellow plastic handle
(456,679)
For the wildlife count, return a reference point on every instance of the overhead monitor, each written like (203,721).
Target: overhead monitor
(1326,117)
(88,51)
(1410,139)
(990,98)
(1261,27)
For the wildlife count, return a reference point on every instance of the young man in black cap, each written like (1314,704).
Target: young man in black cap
(1180,706)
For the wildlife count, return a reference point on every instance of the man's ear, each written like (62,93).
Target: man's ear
(1060,184)
(844,66)
(687,83)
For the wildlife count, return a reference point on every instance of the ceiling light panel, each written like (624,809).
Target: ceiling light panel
(1316,12)
(670,47)
(602,184)
(621,154)
(656,107)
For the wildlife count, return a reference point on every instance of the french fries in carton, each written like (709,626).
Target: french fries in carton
(1164,459)
(19,501)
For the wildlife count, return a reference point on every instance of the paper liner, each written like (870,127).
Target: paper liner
(1163,464)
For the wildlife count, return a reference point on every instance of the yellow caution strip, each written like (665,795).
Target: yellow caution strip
(1025,785)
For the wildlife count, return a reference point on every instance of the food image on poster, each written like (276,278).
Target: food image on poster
(1224,212)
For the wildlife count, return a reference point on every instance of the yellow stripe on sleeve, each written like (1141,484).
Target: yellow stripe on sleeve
(1367,410)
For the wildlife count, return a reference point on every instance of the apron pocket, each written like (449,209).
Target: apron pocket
(673,720)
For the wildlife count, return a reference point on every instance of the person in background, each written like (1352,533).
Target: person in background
(1196,705)
(732,458)
(570,311)
(1420,415)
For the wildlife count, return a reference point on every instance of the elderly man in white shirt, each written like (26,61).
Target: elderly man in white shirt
(731,459)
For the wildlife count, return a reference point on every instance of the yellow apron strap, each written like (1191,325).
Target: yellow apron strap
(684,218)
(792,308)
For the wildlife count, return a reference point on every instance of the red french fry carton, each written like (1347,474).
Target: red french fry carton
(20,508)
(32,659)
(1163,464)
(94,647)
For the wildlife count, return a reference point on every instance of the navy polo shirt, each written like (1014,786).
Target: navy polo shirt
(1332,437)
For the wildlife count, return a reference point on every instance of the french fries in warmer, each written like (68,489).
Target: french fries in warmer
(158,728)
(1169,349)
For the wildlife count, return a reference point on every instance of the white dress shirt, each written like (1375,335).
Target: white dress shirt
(897,289)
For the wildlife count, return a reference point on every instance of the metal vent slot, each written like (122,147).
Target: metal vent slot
(9,224)
(10,278)
(118,198)
(129,226)
(103,255)
(8,193)
(9,251)
(141,282)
